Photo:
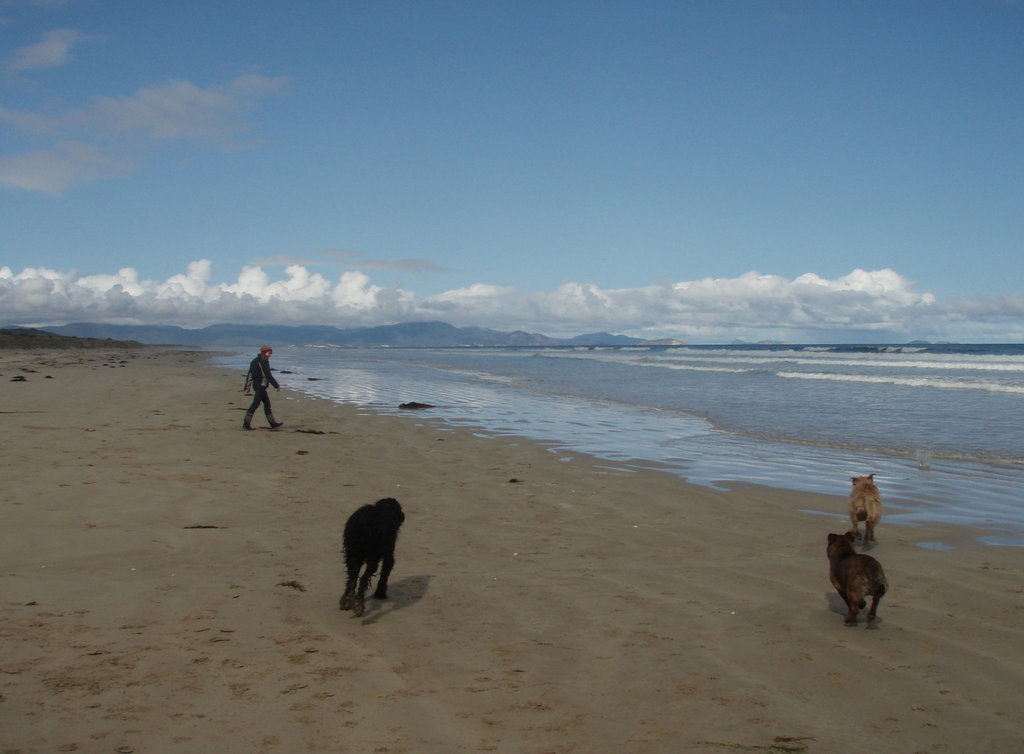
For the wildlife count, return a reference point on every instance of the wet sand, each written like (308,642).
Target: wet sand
(170,583)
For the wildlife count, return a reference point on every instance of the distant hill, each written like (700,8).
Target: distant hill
(404,334)
(28,337)
(604,339)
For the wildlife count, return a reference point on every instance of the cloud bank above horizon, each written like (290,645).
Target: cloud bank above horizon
(862,306)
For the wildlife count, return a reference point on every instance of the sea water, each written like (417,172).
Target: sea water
(938,425)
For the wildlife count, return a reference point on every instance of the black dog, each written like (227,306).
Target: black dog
(855,576)
(370,535)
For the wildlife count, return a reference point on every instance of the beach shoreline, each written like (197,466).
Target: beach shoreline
(170,583)
(620,408)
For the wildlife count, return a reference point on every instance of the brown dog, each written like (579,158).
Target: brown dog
(855,576)
(866,506)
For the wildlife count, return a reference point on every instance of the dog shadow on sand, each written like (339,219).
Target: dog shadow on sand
(838,606)
(401,594)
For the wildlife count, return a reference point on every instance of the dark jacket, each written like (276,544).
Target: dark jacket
(260,374)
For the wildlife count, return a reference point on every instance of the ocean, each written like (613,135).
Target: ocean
(938,425)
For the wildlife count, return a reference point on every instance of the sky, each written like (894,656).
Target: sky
(816,171)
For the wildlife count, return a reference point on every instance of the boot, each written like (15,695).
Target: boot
(246,420)
(274,424)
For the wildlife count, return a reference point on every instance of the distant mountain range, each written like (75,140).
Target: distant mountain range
(28,337)
(404,334)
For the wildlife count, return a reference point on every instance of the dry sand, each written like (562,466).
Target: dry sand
(170,583)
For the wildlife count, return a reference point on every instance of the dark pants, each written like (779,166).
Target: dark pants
(259,396)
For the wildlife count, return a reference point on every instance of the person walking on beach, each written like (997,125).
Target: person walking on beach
(261,378)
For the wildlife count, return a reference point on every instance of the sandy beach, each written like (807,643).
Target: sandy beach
(170,583)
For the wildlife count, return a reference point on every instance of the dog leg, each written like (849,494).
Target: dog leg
(851,602)
(347,600)
(364,583)
(345,603)
(878,591)
(874,608)
(381,592)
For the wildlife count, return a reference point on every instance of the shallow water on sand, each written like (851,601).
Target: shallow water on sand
(937,429)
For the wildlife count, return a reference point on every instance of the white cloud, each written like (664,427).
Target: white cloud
(355,296)
(180,110)
(52,51)
(300,285)
(878,305)
(26,120)
(128,127)
(475,295)
(67,164)
(356,259)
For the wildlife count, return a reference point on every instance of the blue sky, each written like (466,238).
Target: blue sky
(803,170)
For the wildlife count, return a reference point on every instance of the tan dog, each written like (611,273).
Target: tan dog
(866,506)
(855,576)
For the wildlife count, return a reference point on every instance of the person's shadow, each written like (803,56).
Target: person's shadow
(401,594)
